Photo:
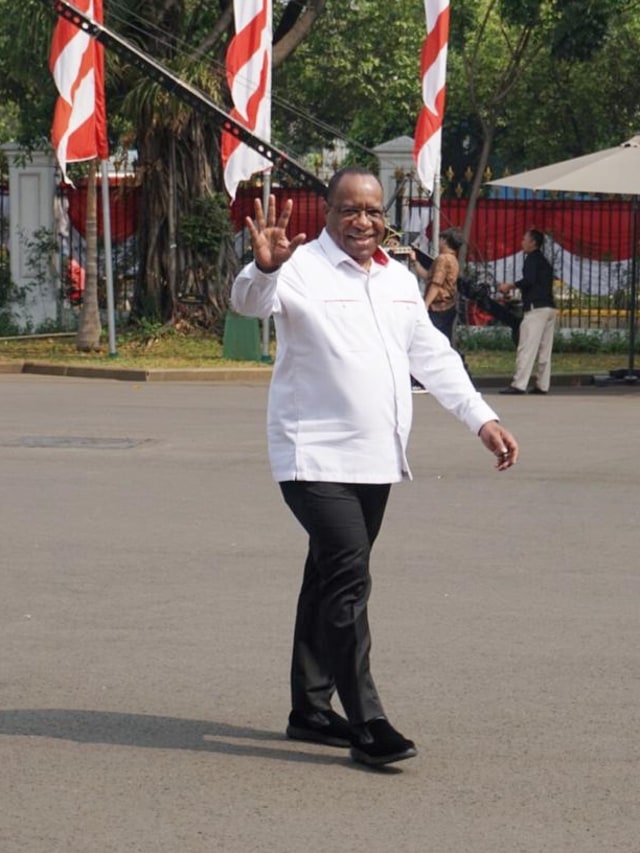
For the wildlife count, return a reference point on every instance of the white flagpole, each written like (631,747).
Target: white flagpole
(266,191)
(108,261)
(266,324)
(435,204)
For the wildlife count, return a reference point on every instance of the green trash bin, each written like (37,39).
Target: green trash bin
(241,338)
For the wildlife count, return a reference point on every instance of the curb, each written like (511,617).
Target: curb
(11,367)
(239,375)
(127,374)
(558,380)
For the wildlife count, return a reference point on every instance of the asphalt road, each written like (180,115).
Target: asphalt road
(149,574)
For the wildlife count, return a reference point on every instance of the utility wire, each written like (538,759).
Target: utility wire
(142,28)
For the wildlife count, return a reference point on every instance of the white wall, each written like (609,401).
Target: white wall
(32,191)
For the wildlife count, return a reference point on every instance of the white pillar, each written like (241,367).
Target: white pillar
(395,158)
(31,196)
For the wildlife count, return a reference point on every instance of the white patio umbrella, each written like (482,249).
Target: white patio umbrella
(613,171)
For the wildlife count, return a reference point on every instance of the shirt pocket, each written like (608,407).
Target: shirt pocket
(402,313)
(350,324)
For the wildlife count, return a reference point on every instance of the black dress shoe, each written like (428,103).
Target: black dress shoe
(320,727)
(537,390)
(510,389)
(376,743)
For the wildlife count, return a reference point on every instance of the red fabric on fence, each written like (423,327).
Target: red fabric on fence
(307,215)
(124,199)
(598,230)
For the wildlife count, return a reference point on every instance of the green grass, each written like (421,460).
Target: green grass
(174,350)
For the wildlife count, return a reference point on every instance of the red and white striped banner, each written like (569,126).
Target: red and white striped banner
(433,68)
(79,130)
(249,77)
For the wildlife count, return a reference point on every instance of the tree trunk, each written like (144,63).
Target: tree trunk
(289,37)
(186,270)
(89,327)
(478,179)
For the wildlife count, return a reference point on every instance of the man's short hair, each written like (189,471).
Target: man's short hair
(453,237)
(537,237)
(341,173)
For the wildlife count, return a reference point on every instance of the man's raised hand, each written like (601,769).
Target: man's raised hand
(271,246)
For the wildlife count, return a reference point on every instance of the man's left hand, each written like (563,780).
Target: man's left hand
(501,443)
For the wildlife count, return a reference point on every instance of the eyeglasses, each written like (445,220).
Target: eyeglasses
(373,214)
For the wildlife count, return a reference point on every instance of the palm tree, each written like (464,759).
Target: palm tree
(89,326)
(187,257)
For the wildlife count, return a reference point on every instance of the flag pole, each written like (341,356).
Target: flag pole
(108,261)
(435,204)
(266,323)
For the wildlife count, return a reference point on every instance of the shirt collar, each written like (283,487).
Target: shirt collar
(337,256)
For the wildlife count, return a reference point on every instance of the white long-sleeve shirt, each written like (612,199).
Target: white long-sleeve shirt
(348,338)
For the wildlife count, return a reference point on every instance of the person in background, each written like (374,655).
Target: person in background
(351,328)
(407,255)
(441,293)
(535,340)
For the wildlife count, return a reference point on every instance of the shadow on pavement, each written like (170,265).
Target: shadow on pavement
(147,731)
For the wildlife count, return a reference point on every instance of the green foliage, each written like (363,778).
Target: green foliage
(26,88)
(521,13)
(206,224)
(491,338)
(358,71)
(581,27)
(40,247)
(591,341)
(9,294)
(51,327)
(476,339)
(573,90)
(145,329)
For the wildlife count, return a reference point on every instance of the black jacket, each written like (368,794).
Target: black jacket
(536,284)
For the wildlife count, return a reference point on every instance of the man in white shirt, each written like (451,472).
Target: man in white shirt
(351,328)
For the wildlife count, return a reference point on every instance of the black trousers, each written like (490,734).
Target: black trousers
(331,643)
(444,320)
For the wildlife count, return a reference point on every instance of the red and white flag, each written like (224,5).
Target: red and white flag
(249,78)
(79,130)
(433,69)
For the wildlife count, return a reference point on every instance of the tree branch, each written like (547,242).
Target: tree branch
(285,46)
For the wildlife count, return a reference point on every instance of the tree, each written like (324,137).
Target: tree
(357,72)
(580,105)
(497,43)
(179,154)
(178,149)
(528,81)
(89,327)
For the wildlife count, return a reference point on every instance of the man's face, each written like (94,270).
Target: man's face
(528,244)
(355,217)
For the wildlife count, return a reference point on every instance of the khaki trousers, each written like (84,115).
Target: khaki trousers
(536,342)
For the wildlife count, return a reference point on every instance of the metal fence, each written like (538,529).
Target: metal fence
(71,213)
(5,269)
(588,242)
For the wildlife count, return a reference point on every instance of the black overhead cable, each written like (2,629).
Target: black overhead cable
(187,93)
(143,28)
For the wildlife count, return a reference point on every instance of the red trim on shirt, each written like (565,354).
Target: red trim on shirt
(380,257)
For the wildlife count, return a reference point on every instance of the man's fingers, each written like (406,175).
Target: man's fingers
(271,211)
(298,240)
(285,213)
(253,231)
(258,214)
